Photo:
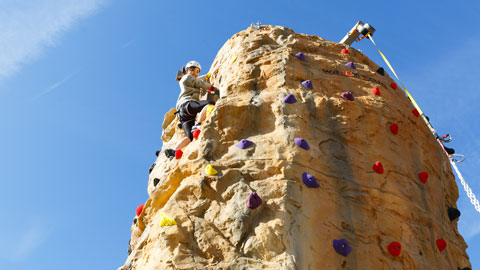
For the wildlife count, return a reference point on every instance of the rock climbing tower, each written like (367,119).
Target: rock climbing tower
(310,159)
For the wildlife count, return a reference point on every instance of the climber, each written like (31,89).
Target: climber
(188,103)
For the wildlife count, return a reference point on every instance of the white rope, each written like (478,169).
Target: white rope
(470,194)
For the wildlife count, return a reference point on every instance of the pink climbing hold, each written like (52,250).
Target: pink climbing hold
(376,91)
(394,248)
(345,51)
(307,84)
(378,167)
(423,177)
(347,96)
(441,244)
(302,143)
(139,210)
(394,128)
(290,99)
(394,85)
(350,65)
(195,133)
(416,113)
(254,201)
(300,56)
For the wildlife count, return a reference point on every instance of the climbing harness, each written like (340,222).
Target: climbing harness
(453,158)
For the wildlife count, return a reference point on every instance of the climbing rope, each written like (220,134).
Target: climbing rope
(452,158)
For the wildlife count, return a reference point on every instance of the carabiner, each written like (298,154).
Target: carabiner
(457,158)
(446,138)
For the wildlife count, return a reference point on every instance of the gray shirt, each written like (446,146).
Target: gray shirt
(190,89)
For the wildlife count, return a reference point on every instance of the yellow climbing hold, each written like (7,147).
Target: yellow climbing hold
(208,75)
(166,220)
(209,109)
(209,170)
(233,59)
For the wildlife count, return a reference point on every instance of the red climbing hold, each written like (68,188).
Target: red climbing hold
(178,154)
(139,210)
(378,167)
(423,177)
(441,244)
(394,128)
(376,91)
(394,248)
(195,133)
(393,85)
(416,113)
(345,51)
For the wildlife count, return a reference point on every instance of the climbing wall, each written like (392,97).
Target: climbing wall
(311,159)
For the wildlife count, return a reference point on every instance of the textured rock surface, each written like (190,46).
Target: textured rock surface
(295,226)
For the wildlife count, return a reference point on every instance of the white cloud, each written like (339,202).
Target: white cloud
(55,85)
(28,27)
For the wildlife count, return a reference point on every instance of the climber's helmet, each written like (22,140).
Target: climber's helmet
(193,67)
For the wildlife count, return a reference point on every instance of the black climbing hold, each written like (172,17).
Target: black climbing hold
(135,221)
(151,168)
(465,268)
(450,151)
(453,213)
(170,153)
(157,153)
(381,71)
(129,250)
(155,182)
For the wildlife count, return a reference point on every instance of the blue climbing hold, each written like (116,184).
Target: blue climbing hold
(254,201)
(244,144)
(347,96)
(309,180)
(307,84)
(302,143)
(300,56)
(350,65)
(290,99)
(342,247)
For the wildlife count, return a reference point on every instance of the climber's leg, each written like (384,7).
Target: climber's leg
(183,143)
(202,115)
(195,107)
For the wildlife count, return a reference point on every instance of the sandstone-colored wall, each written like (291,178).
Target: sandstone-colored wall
(295,226)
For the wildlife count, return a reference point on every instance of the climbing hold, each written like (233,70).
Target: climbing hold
(254,201)
(465,268)
(139,210)
(347,96)
(244,144)
(232,59)
(394,128)
(151,168)
(208,76)
(381,71)
(166,220)
(309,180)
(157,152)
(178,154)
(307,84)
(290,99)
(441,244)
(350,65)
(195,133)
(135,221)
(393,85)
(300,56)
(209,110)
(378,167)
(376,91)
(453,213)
(423,177)
(302,143)
(394,248)
(416,113)
(209,170)
(341,246)
(345,51)
(155,182)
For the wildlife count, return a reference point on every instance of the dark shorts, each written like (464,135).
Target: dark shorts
(188,111)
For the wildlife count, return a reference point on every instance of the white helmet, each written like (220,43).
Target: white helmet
(193,64)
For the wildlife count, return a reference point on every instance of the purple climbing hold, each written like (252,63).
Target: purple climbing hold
(350,65)
(347,95)
(342,247)
(300,56)
(302,143)
(254,201)
(290,99)
(244,144)
(307,84)
(309,180)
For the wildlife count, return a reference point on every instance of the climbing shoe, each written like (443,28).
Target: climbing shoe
(170,153)
(196,126)
(450,151)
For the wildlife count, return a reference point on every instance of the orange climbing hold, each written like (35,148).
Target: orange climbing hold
(416,113)
(423,177)
(441,244)
(178,154)
(376,91)
(345,51)
(394,85)
(139,210)
(378,167)
(195,133)
(394,128)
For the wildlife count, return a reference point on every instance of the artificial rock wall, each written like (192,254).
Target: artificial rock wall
(300,217)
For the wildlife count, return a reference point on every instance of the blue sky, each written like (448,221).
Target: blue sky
(84,86)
